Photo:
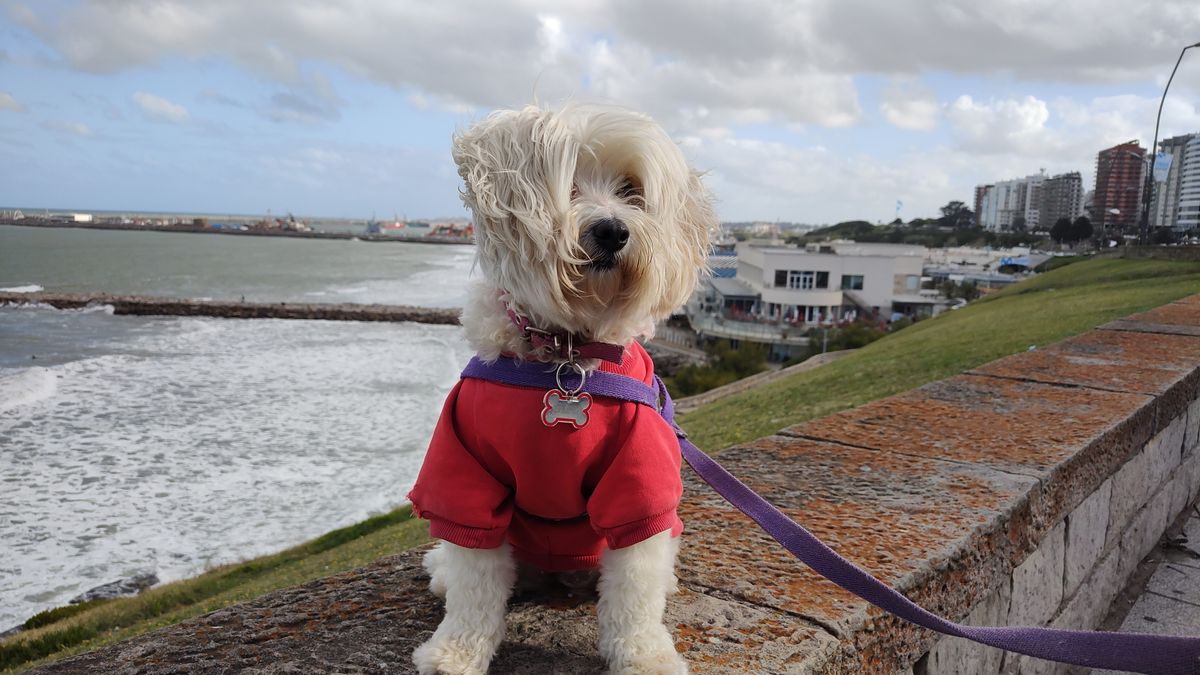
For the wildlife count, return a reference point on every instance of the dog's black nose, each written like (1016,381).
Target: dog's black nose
(610,234)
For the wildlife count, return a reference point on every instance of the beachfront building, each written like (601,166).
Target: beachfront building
(780,292)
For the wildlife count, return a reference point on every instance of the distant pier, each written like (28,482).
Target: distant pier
(160,306)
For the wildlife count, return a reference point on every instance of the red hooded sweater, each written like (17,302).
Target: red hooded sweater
(559,495)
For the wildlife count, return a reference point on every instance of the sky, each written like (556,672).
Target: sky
(810,111)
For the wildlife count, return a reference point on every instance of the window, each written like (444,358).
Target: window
(912,282)
(852,282)
(822,279)
(802,280)
(781,277)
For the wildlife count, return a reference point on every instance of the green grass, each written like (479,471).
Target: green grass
(1047,308)
(1041,310)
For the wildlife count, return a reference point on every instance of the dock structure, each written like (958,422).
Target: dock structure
(160,306)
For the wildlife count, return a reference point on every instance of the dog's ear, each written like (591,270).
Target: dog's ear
(478,152)
(516,167)
(697,224)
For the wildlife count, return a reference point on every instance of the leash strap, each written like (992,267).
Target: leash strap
(1136,652)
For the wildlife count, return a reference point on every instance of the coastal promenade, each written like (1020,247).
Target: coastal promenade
(160,306)
(1023,491)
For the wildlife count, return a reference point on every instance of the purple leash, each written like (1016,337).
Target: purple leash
(1137,652)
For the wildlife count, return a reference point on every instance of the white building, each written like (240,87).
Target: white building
(780,292)
(1006,201)
(1188,214)
(1164,206)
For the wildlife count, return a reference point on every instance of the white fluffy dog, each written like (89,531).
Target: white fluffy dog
(590,225)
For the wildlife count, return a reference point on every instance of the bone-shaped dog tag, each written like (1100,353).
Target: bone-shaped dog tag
(562,408)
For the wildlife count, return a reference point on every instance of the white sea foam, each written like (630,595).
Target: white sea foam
(181,443)
(31,288)
(26,387)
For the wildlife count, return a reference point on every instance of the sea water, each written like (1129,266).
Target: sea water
(173,444)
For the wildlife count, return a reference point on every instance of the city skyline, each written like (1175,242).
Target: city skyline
(811,113)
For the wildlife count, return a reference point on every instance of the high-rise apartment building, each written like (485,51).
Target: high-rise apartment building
(1061,197)
(1119,175)
(980,194)
(1164,206)
(1010,204)
(1188,215)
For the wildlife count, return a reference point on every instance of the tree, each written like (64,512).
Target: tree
(1061,231)
(1081,229)
(1018,224)
(1163,235)
(956,214)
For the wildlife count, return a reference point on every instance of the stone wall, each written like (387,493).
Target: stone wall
(1024,491)
(161,306)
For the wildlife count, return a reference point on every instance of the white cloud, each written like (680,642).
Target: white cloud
(908,105)
(7,102)
(999,126)
(705,68)
(158,108)
(72,128)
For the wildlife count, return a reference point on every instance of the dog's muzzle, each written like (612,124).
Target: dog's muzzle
(607,236)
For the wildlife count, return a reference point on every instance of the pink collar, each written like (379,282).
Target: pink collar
(562,344)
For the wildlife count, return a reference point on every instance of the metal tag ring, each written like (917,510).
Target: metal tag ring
(558,377)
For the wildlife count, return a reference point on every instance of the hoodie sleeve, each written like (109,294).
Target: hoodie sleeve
(639,493)
(462,501)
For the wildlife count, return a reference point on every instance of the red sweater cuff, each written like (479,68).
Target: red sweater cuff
(641,530)
(462,535)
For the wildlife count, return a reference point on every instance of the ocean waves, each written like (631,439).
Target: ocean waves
(168,445)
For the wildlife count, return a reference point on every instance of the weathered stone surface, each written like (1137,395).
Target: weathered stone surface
(1182,312)
(1192,434)
(1143,531)
(1037,583)
(1089,605)
(1143,476)
(1087,527)
(939,531)
(370,620)
(955,656)
(1071,438)
(1146,327)
(1143,363)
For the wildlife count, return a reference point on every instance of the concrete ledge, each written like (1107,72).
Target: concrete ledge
(1026,490)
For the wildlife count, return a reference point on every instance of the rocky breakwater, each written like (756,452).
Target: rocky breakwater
(159,306)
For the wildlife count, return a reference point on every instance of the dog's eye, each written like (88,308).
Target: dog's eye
(629,189)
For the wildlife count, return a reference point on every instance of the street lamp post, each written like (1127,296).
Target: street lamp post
(1144,234)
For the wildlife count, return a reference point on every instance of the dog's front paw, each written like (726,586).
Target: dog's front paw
(646,654)
(434,562)
(453,655)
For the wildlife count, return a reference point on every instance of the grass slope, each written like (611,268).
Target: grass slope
(1045,309)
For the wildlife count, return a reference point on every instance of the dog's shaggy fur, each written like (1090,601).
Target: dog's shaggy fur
(538,182)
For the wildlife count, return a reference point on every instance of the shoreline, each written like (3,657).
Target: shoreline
(199,229)
(141,305)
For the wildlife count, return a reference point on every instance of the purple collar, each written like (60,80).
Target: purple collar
(564,345)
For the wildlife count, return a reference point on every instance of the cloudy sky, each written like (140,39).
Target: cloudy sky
(810,111)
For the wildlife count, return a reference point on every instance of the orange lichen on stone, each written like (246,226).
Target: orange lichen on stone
(1118,360)
(1014,426)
